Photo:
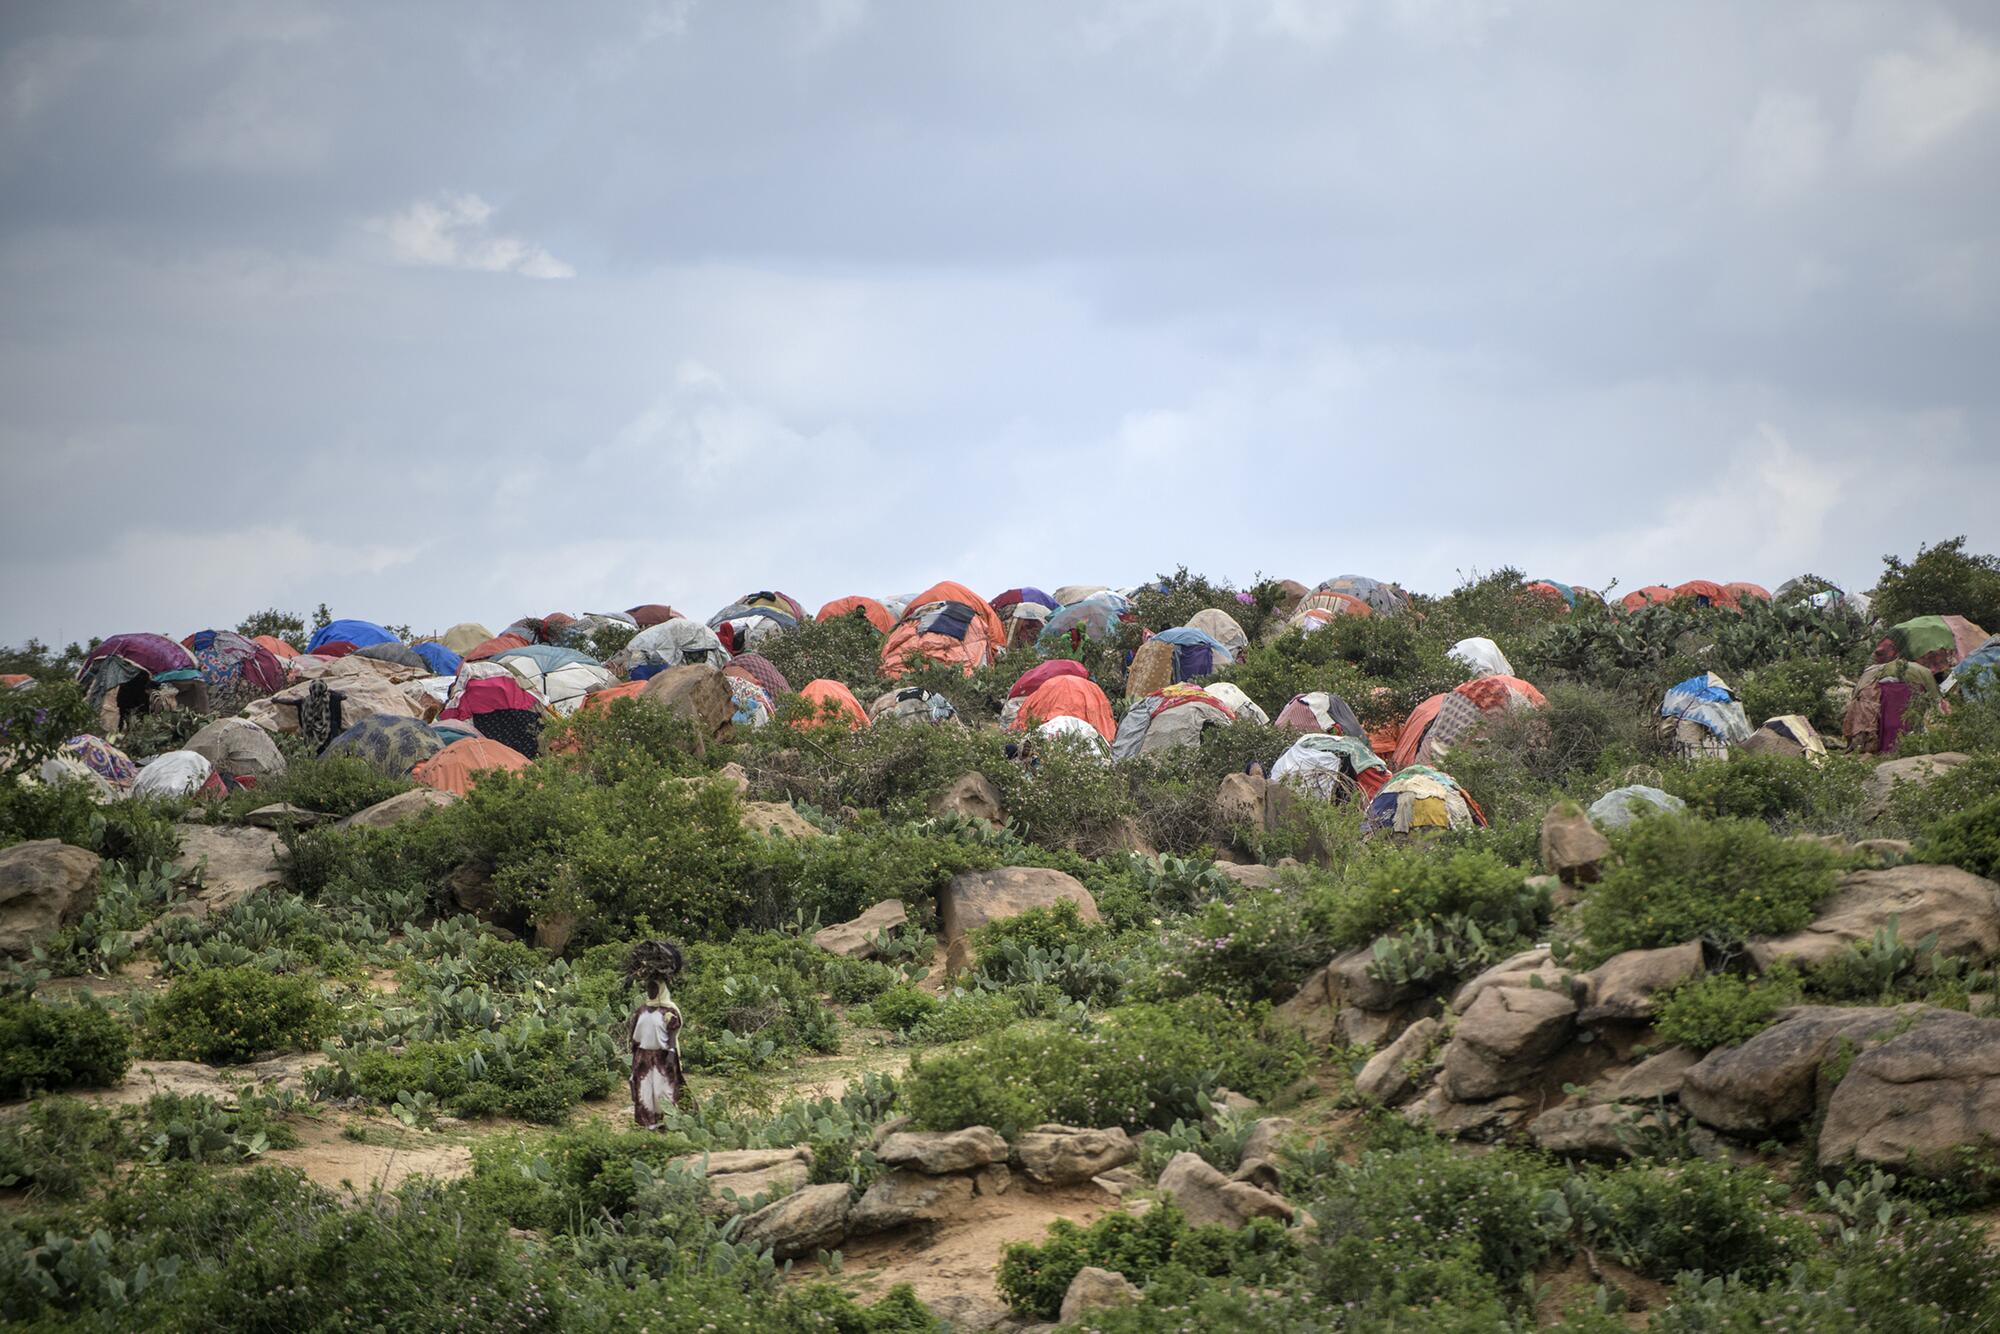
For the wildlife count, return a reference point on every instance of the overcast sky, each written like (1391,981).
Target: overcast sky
(444,312)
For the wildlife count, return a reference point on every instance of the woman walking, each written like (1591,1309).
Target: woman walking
(655,1032)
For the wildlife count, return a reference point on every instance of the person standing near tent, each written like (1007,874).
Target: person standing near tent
(655,1033)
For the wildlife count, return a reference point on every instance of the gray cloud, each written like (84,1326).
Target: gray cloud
(855,296)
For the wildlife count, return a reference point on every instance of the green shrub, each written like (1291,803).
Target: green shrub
(1717,1218)
(1796,686)
(1033,1279)
(59,1147)
(966,1014)
(1791,793)
(1723,1009)
(1257,946)
(838,878)
(903,1007)
(1969,839)
(51,1047)
(1940,580)
(1676,879)
(337,785)
(35,721)
(1400,889)
(1052,928)
(535,1073)
(226,1016)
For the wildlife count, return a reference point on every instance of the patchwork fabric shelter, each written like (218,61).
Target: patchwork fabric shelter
(912,704)
(649,614)
(1320,711)
(464,637)
(1066,697)
(1621,806)
(1744,591)
(1482,656)
(1069,593)
(753,618)
(134,666)
(1174,716)
(1095,617)
(502,709)
(393,652)
(101,758)
(344,636)
(1789,735)
(1554,591)
(947,623)
(868,609)
(1701,718)
(1032,680)
(560,676)
(1646,597)
(440,659)
(1420,800)
(230,664)
(824,695)
(1064,731)
(1706,593)
(275,646)
(498,644)
(670,644)
(1977,673)
(393,745)
(179,773)
(1317,608)
(1885,704)
(1238,703)
(756,667)
(458,766)
(753,704)
(1461,710)
(1382,598)
(241,751)
(1937,642)
(1331,767)
(1221,627)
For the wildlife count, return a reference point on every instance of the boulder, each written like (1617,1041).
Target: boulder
(1961,908)
(1521,970)
(238,748)
(1481,1121)
(471,888)
(899,1197)
(1343,985)
(736,776)
(973,898)
(1095,1289)
(694,691)
(1252,877)
(1572,848)
(1658,1076)
(1921,1101)
(1386,1078)
(748,1173)
(1206,1196)
(45,885)
(973,797)
(856,939)
(1066,1155)
(232,862)
(941,1151)
(777,818)
(1916,770)
(1621,989)
(1772,1080)
(1503,1040)
(1267,1135)
(403,806)
(281,814)
(808,1220)
(1603,1132)
(1240,801)
(992,1179)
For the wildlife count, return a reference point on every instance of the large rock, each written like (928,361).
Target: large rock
(1525,969)
(1482,1121)
(1066,1155)
(1621,989)
(1343,986)
(1240,801)
(1206,1196)
(973,898)
(238,748)
(941,1151)
(45,885)
(1772,1080)
(696,692)
(283,815)
(1267,1135)
(1503,1040)
(899,1197)
(232,862)
(403,806)
(1387,1078)
(744,1174)
(1095,1289)
(807,1221)
(1572,848)
(1658,1076)
(1915,770)
(1252,876)
(973,797)
(778,818)
(1920,1100)
(856,939)
(1601,1131)
(1961,908)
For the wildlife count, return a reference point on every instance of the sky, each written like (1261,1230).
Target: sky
(468,312)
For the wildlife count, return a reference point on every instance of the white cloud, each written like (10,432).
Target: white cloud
(1783,148)
(1913,101)
(450,232)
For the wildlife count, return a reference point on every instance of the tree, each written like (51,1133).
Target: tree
(1941,581)
(277,624)
(35,722)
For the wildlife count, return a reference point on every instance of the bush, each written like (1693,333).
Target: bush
(337,785)
(60,1146)
(1053,928)
(1403,888)
(838,878)
(52,1047)
(226,1016)
(1797,685)
(1033,1279)
(966,1014)
(902,1007)
(1790,793)
(1676,879)
(1723,1009)
(1940,580)
(1258,946)
(1715,1218)
(1969,839)
(35,722)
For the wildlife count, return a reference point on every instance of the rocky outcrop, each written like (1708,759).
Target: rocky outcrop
(803,1223)
(1915,770)
(1055,1155)
(1658,1076)
(231,862)
(1206,1196)
(973,898)
(1961,909)
(1344,1001)
(1503,1040)
(973,797)
(941,1151)
(1266,1136)
(1252,876)
(1621,989)
(1387,1078)
(1486,1120)
(282,814)
(1920,1099)
(900,1197)
(1772,1081)
(1602,1132)
(1095,1289)
(1572,849)
(403,806)
(45,885)
(1526,969)
(779,819)
(696,692)
(855,939)
(1239,801)
(744,1174)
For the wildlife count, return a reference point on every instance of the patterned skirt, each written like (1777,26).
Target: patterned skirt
(656,1084)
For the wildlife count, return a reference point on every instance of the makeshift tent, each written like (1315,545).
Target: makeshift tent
(179,773)
(134,667)
(1317,608)
(1238,703)
(649,614)
(1482,656)
(1331,767)
(101,758)
(501,708)
(440,659)
(393,745)
(912,704)
(670,644)
(1069,593)
(277,647)
(744,625)
(498,644)
(1701,718)
(1746,592)
(233,665)
(241,751)
(1938,642)
(1885,704)
(948,623)
(1223,628)
(609,695)
(1025,622)
(1320,711)
(392,652)
(1706,593)
(1174,716)
(1457,713)
(1384,599)
(1978,672)
(1555,592)
(1789,735)
(752,704)
(758,668)
(1420,800)
(1014,597)
(1290,594)
(329,639)
(464,637)
(560,676)
(1096,617)
(1646,597)
(1621,806)
(867,608)
(1063,731)
(824,696)
(458,766)
(354,690)
(1032,680)
(1066,696)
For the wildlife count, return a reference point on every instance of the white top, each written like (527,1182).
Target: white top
(650,1032)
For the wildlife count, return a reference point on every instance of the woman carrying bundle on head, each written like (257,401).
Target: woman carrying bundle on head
(655,1032)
